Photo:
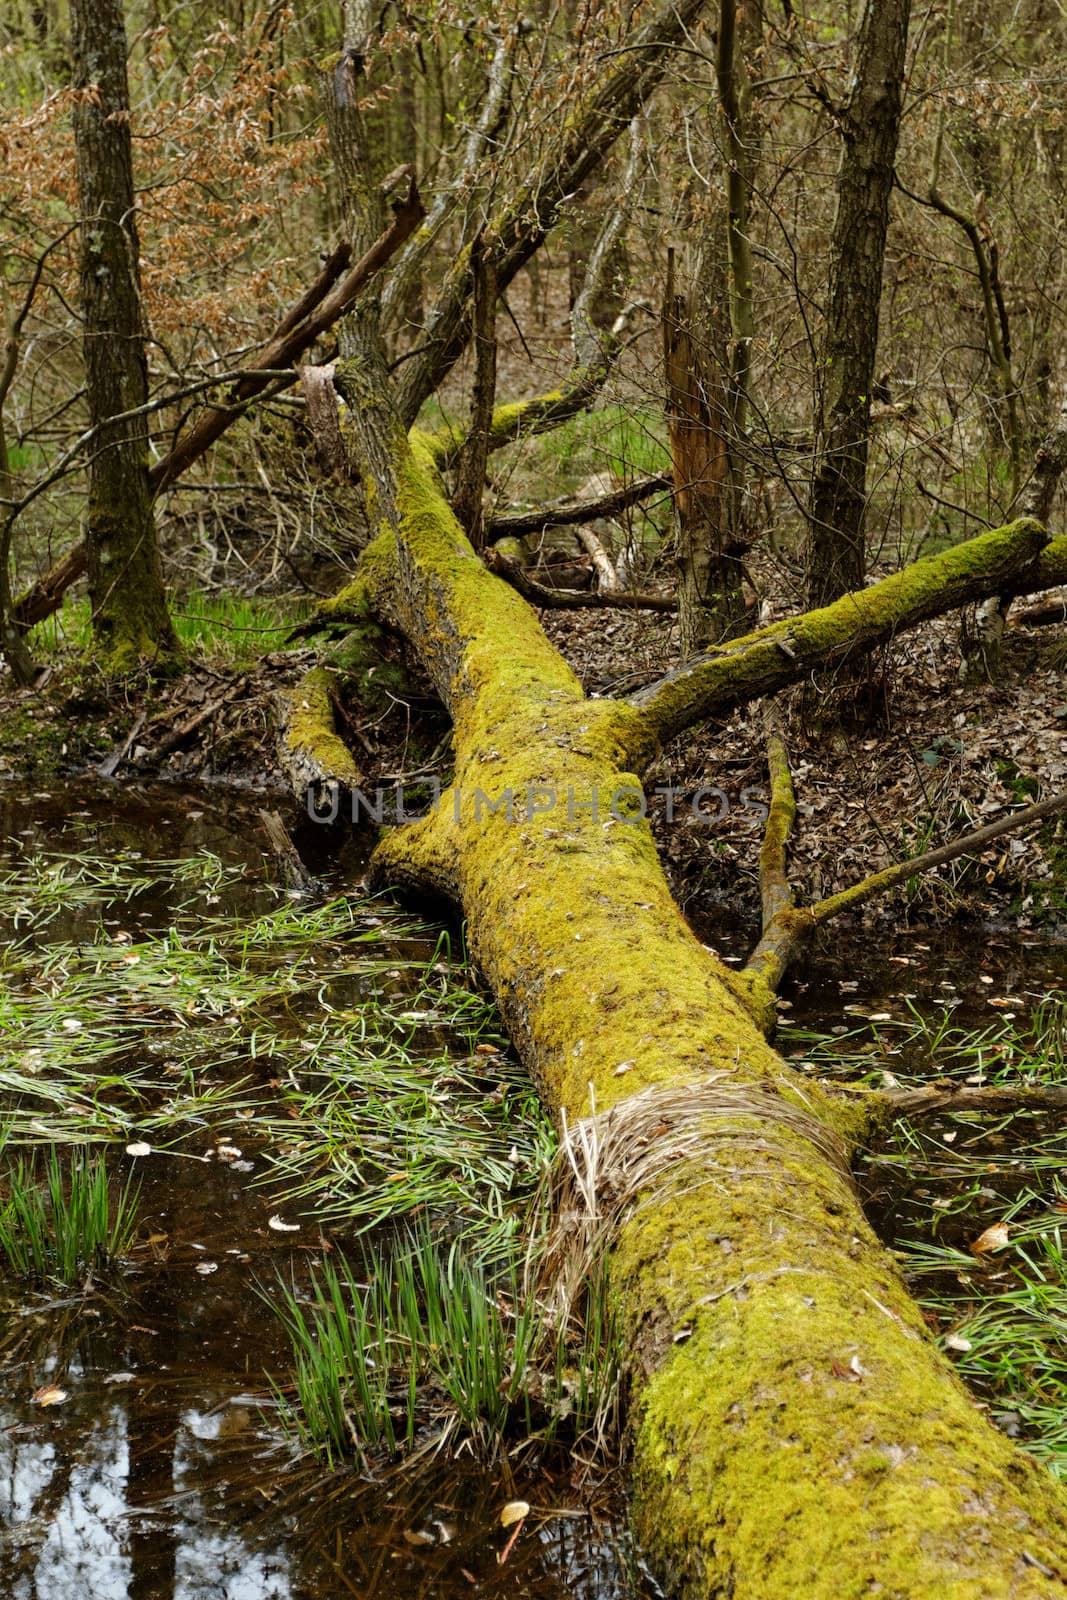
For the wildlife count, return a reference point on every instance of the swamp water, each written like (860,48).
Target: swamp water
(133,1018)
(163,1472)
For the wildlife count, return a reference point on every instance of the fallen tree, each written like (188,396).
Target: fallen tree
(794,1429)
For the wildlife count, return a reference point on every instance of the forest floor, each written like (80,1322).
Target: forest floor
(938,758)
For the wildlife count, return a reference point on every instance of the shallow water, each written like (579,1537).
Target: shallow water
(162,1473)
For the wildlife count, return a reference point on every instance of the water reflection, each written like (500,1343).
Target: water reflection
(162,1476)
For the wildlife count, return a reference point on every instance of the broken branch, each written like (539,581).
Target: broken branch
(574,599)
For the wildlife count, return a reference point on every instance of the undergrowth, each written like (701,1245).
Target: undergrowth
(224,629)
(426,1348)
(976,1205)
(60,1221)
(340,1040)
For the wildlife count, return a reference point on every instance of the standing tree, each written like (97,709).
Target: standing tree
(130,618)
(869,121)
(695,360)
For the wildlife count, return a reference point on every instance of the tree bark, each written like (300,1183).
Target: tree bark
(794,1429)
(710,601)
(326,299)
(130,618)
(469,494)
(870,125)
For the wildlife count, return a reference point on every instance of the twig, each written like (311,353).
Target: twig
(186,729)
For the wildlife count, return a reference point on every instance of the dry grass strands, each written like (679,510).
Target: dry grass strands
(644,1146)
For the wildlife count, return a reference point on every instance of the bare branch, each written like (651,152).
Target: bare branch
(539,594)
(934,1098)
(589,132)
(788,929)
(481,136)
(318,308)
(607,579)
(470,468)
(570,513)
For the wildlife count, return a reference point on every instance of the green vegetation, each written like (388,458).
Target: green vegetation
(373,1084)
(429,1348)
(626,441)
(63,1223)
(1004,1320)
(224,629)
(1001,1312)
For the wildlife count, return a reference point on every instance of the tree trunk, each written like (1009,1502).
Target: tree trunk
(870,125)
(130,619)
(695,359)
(794,1429)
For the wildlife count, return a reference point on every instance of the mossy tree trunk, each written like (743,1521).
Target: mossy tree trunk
(794,1429)
(130,618)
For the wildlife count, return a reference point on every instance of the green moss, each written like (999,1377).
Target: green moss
(762,662)
(1023,786)
(33,742)
(314,747)
(78,716)
(361,600)
(778,1360)
(576,894)
(799,1433)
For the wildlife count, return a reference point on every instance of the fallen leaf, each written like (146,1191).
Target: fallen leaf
(50,1395)
(994,1238)
(514,1511)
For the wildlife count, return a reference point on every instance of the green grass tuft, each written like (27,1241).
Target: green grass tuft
(64,1223)
(224,629)
(427,1347)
